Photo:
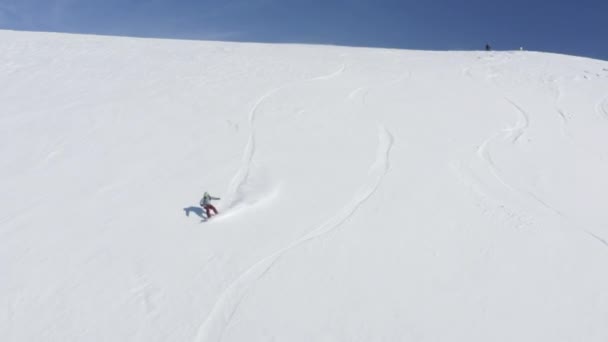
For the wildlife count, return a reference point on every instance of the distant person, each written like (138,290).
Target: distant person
(488,48)
(206,204)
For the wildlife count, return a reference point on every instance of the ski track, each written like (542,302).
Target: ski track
(332,75)
(602,108)
(242,175)
(564,121)
(597,237)
(363,92)
(515,132)
(485,155)
(353,94)
(224,309)
(562,116)
(487,203)
(521,125)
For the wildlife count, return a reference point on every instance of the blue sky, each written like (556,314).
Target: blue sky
(565,26)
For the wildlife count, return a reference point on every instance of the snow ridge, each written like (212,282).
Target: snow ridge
(225,307)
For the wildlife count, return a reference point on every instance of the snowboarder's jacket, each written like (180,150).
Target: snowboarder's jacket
(207,199)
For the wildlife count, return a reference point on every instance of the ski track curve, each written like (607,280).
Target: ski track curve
(334,74)
(555,88)
(354,93)
(564,121)
(523,121)
(602,108)
(224,309)
(515,132)
(562,116)
(364,91)
(485,155)
(242,175)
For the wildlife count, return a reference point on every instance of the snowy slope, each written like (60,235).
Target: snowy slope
(367,194)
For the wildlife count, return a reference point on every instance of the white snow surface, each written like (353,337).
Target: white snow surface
(367,194)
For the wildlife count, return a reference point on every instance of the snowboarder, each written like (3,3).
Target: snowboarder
(488,48)
(206,204)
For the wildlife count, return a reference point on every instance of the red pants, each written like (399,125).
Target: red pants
(209,208)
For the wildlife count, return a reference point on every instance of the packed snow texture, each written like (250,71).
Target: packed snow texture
(367,194)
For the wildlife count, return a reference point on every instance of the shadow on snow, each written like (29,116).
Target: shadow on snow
(196,210)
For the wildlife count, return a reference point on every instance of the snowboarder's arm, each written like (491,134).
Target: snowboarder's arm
(216,198)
